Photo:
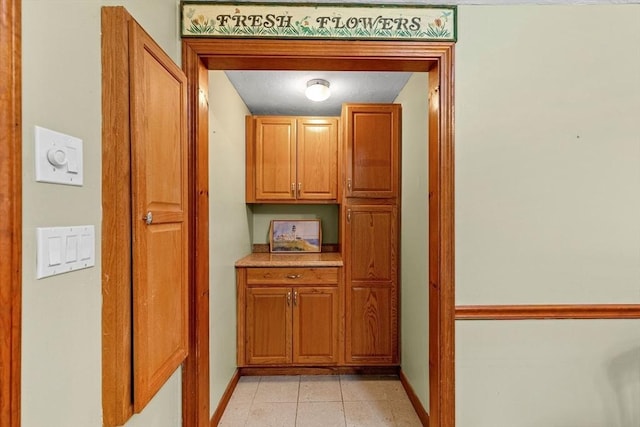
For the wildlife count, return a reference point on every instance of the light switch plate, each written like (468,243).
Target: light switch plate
(65,249)
(58,157)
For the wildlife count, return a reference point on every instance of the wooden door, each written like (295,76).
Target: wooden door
(159,215)
(371,284)
(315,325)
(372,140)
(275,151)
(317,165)
(268,328)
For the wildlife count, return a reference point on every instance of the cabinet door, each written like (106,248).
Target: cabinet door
(268,327)
(372,140)
(315,325)
(371,246)
(159,192)
(317,159)
(275,151)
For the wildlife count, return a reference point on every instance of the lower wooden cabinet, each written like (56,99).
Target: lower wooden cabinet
(296,324)
(326,316)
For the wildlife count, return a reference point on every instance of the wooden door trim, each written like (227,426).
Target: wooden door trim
(201,55)
(117,359)
(10,211)
(441,243)
(195,381)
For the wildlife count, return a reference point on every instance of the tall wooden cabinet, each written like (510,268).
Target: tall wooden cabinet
(370,236)
(292,159)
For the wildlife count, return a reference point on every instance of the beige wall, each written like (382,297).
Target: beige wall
(414,247)
(61,346)
(547,154)
(229,222)
(547,208)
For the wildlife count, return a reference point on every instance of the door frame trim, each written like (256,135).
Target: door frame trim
(201,55)
(10,211)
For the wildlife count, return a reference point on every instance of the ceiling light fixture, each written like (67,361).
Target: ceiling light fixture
(317,90)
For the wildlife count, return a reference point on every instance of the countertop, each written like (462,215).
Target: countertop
(322,259)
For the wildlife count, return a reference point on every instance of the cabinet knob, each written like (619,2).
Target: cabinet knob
(148,218)
(349,184)
(295,297)
(349,216)
(294,276)
(289,298)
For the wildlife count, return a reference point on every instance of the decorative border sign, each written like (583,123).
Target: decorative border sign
(324,21)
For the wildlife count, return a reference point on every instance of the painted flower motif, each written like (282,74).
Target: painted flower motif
(199,20)
(304,23)
(200,24)
(437,29)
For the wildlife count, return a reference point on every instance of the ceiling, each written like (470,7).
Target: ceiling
(282,92)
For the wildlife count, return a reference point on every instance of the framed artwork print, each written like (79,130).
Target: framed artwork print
(294,236)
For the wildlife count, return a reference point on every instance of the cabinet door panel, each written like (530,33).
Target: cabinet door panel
(268,329)
(372,139)
(371,248)
(371,322)
(315,326)
(317,159)
(275,158)
(372,243)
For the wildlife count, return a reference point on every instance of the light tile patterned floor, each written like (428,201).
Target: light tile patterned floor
(319,401)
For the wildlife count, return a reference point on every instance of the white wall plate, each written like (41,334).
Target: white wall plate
(64,249)
(58,157)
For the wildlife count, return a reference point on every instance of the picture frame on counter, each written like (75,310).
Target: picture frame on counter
(295,236)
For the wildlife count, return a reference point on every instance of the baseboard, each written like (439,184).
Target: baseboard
(224,400)
(415,401)
(319,370)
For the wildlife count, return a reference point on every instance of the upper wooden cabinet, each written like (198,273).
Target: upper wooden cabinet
(292,159)
(372,141)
